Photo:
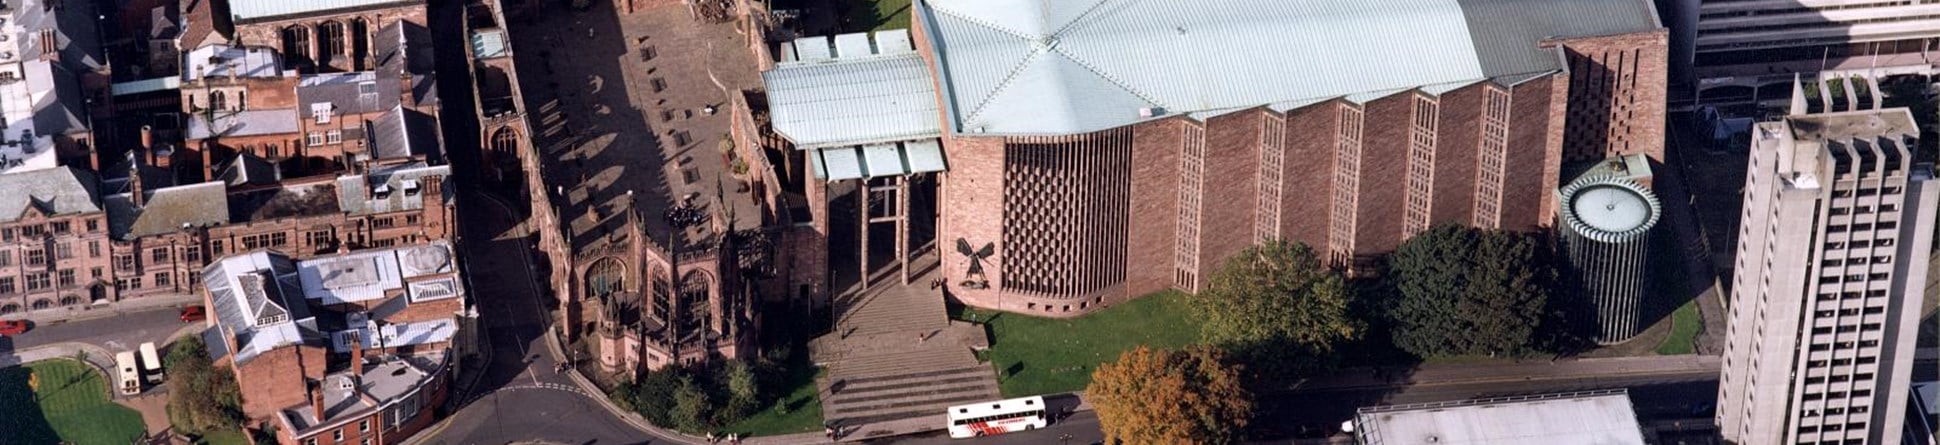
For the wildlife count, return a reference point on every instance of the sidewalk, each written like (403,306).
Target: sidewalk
(100,357)
(1526,370)
(87,312)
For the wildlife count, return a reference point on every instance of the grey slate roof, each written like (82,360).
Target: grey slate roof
(347,93)
(405,47)
(852,98)
(167,209)
(59,190)
(1060,67)
(256,299)
(403,133)
(401,186)
(246,123)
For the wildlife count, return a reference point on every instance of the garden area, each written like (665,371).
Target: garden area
(772,394)
(62,401)
(875,15)
(1035,355)
(1685,323)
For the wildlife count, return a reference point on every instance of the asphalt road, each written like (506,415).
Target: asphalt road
(519,398)
(1320,413)
(1082,429)
(118,333)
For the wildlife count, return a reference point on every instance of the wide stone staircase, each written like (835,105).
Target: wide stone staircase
(896,361)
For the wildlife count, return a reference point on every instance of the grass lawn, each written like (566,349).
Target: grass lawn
(223,438)
(877,15)
(1045,355)
(69,406)
(800,411)
(1684,330)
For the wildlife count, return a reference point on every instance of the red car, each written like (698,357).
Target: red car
(193,314)
(14,327)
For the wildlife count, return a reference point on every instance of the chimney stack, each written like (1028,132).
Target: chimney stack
(147,137)
(316,400)
(356,355)
(134,179)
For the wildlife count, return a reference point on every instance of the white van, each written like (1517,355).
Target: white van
(127,374)
(151,364)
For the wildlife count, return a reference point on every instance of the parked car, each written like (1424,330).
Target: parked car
(193,314)
(14,327)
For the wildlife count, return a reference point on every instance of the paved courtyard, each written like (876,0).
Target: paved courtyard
(636,103)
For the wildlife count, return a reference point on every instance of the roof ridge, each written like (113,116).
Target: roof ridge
(980,22)
(1109,78)
(1002,85)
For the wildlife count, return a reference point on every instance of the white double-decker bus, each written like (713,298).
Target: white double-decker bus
(1002,416)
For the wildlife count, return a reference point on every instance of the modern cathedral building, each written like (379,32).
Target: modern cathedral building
(1089,151)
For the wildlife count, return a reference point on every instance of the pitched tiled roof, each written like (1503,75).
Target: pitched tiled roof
(167,210)
(59,190)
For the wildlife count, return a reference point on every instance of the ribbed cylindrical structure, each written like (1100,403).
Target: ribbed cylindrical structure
(1606,236)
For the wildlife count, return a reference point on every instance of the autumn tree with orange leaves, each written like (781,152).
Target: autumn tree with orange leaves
(1148,396)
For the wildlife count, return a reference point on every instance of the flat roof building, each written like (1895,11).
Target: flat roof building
(1826,295)
(1596,417)
(1748,43)
(1108,152)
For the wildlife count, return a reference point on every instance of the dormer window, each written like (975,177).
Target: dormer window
(381,190)
(410,187)
(322,110)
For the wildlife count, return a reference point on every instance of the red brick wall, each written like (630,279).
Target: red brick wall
(1529,184)
(277,379)
(973,197)
(1312,139)
(1616,95)
(1155,206)
(1457,146)
(1384,171)
(1229,197)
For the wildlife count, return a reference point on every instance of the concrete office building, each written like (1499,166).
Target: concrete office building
(1607,215)
(1751,42)
(1108,152)
(1832,257)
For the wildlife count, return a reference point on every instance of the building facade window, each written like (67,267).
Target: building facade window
(66,277)
(159,255)
(7,285)
(37,281)
(316,138)
(333,137)
(36,257)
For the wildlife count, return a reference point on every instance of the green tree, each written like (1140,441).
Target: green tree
(1276,308)
(1188,397)
(743,390)
(1469,291)
(201,397)
(653,395)
(693,409)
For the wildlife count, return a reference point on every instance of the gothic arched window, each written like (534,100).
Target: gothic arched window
(505,141)
(606,277)
(693,297)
